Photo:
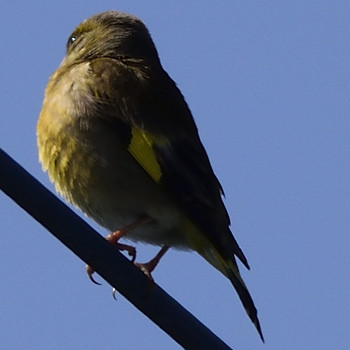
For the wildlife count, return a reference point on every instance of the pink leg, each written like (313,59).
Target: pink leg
(147,268)
(114,238)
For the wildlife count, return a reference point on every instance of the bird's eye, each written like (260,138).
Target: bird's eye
(71,40)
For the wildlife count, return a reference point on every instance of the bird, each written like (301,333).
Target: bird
(119,141)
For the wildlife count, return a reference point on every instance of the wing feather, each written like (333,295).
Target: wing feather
(164,139)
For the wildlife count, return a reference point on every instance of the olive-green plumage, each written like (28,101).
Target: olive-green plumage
(119,141)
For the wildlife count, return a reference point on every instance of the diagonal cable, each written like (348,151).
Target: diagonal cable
(94,250)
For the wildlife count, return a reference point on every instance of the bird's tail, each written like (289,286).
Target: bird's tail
(230,269)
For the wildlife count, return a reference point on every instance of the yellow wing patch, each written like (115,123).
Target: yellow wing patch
(141,148)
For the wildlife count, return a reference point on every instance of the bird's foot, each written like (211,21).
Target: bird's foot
(128,248)
(148,267)
(114,237)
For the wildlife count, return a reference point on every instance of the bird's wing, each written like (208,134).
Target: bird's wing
(160,133)
(157,126)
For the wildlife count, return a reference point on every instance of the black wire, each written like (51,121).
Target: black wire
(92,248)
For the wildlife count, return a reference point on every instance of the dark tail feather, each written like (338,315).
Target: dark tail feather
(246,299)
(239,253)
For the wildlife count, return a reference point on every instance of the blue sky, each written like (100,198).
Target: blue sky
(268,85)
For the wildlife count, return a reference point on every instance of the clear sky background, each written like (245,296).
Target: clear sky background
(268,84)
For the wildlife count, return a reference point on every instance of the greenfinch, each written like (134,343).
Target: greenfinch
(118,141)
